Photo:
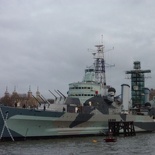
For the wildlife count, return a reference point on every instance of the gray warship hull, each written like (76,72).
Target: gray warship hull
(31,123)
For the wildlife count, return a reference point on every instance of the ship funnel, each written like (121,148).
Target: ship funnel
(125,98)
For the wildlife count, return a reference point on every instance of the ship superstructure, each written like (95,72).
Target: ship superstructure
(94,81)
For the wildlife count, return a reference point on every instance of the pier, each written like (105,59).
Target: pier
(122,127)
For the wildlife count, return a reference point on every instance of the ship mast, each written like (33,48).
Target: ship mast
(99,64)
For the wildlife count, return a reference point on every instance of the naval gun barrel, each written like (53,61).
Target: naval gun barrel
(45,99)
(58,94)
(53,95)
(42,99)
(61,94)
(36,99)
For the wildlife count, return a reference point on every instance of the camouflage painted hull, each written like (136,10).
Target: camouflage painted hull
(26,123)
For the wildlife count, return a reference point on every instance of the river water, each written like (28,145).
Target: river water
(141,144)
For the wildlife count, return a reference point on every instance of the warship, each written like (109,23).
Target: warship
(86,110)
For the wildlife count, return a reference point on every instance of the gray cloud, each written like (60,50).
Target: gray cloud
(45,43)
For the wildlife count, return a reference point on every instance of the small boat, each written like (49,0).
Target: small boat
(110,137)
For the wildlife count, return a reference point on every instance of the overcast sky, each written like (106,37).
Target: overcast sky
(44,43)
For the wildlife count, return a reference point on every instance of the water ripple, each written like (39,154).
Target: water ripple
(141,144)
